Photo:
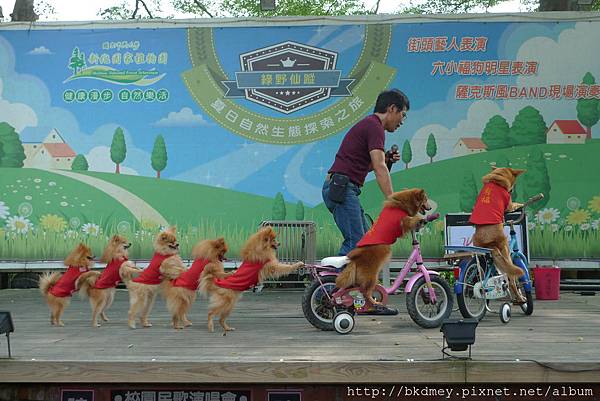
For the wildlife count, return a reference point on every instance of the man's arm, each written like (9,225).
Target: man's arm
(382,174)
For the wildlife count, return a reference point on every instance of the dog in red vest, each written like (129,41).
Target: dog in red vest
(58,288)
(259,263)
(100,287)
(180,292)
(493,201)
(165,264)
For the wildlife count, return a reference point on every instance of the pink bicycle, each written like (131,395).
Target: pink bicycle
(429,298)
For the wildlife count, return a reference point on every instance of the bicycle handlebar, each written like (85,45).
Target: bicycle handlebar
(528,202)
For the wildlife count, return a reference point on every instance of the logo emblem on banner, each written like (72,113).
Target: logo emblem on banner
(288,76)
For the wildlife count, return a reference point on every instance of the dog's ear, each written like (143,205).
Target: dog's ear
(517,172)
(172,230)
(494,168)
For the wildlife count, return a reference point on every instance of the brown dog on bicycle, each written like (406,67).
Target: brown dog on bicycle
(488,217)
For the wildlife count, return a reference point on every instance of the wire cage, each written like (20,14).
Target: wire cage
(298,242)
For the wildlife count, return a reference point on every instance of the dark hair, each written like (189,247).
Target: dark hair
(390,97)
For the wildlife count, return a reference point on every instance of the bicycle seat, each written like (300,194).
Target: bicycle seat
(335,261)
(468,249)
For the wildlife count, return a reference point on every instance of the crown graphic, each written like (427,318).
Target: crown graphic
(288,63)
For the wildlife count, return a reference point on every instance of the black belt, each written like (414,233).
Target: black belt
(328,178)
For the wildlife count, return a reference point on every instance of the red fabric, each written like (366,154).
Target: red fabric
(245,277)
(386,229)
(110,276)
(65,286)
(492,202)
(151,274)
(353,158)
(191,277)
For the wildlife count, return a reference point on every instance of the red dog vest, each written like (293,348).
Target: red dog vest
(65,286)
(245,277)
(110,276)
(492,202)
(386,229)
(191,277)
(151,274)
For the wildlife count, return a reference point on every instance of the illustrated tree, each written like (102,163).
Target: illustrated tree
(14,154)
(77,60)
(528,128)
(279,212)
(588,110)
(496,133)
(431,147)
(468,192)
(159,155)
(299,210)
(536,179)
(118,149)
(406,153)
(1,153)
(80,163)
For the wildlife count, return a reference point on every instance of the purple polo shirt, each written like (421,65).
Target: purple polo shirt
(353,158)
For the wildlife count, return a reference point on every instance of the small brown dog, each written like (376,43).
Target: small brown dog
(259,263)
(372,252)
(100,287)
(165,264)
(59,287)
(180,293)
(488,217)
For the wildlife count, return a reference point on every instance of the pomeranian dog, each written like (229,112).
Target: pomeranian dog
(58,287)
(165,264)
(493,201)
(180,293)
(259,263)
(100,287)
(372,252)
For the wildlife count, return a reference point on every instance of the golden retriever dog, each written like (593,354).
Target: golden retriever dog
(100,287)
(180,293)
(488,217)
(372,252)
(165,264)
(259,263)
(58,287)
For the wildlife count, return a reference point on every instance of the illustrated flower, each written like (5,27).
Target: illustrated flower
(4,209)
(25,209)
(70,234)
(37,180)
(149,225)
(573,203)
(123,226)
(578,216)
(554,227)
(28,197)
(18,224)
(547,216)
(595,224)
(91,229)
(594,204)
(52,222)
(63,204)
(51,183)
(584,227)
(530,226)
(568,228)
(74,222)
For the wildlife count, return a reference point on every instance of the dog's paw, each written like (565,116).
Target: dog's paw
(298,265)
(61,323)
(211,328)
(146,324)
(104,317)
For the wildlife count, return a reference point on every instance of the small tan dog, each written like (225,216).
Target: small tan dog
(259,263)
(165,264)
(100,287)
(488,217)
(180,293)
(372,252)
(59,287)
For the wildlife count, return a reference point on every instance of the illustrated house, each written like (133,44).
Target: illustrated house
(470,145)
(566,131)
(51,153)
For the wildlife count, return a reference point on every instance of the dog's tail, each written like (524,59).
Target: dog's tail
(506,266)
(348,276)
(127,271)
(207,278)
(172,267)
(86,282)
(47,280)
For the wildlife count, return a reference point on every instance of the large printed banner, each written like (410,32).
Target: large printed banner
(131,128)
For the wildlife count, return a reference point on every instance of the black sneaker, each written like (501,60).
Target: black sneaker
(380,310)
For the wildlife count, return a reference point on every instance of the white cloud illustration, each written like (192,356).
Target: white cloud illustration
(39,51)
(183,118)
(18,115)
(98,159)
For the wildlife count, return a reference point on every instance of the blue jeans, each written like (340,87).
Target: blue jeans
(349,216)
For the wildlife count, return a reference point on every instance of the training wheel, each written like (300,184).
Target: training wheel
(505,313)
(343,322)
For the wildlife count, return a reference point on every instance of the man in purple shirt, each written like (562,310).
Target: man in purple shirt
(362,151)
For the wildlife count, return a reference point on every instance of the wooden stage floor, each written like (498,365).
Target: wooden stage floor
(274,343)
